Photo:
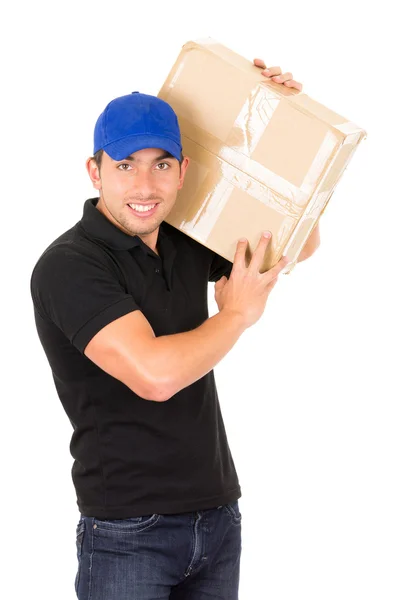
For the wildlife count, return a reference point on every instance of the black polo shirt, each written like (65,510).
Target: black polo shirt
(132,456)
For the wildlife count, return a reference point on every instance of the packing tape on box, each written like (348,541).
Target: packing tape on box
(283,149)
(222,177)
(243,138)
(215,180)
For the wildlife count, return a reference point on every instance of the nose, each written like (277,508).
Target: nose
(144,183)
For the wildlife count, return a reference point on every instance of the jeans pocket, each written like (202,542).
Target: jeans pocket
(80,529)
(128,525)
(233,510)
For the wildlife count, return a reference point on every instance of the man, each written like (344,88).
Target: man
(120,305)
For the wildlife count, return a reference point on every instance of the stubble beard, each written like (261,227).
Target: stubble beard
(130,224)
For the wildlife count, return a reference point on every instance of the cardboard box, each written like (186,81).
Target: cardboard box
(263,156)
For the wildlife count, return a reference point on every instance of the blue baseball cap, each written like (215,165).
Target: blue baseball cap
(134,122)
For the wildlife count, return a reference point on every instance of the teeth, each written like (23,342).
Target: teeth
(140,208)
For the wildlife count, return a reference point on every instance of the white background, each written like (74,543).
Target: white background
(309,393)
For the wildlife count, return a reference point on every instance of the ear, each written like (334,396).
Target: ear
(184,166)
(93,173)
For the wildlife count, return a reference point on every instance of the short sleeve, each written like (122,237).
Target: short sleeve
(219,266)
(79,292)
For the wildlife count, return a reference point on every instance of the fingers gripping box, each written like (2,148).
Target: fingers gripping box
(262,156)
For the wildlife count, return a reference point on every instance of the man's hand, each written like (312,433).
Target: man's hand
(246,291)
(275,74)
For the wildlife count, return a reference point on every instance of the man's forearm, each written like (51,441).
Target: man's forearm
(183,358)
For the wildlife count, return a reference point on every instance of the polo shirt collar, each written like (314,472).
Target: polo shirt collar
(98,227)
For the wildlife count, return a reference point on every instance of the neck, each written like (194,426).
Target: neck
(150,239)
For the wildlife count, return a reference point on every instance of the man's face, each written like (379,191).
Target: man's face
(146,179)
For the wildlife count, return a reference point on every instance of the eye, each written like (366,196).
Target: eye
(163,164)
(121,167)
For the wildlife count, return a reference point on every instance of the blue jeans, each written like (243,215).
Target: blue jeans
(185,556)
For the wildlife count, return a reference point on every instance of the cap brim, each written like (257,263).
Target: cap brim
(130,144)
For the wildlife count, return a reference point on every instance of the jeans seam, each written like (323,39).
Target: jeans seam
(91,562)
(81,531)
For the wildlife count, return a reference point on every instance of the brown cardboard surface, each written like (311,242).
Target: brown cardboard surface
(262,156)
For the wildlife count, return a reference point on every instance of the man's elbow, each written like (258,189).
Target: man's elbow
(166,389)
(158,381)
(161,389)
(151,379)
(161,393)
(150,388)
(156,391)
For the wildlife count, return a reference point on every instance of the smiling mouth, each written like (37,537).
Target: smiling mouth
(143,210)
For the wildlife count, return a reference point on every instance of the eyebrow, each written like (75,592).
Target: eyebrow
(160,157)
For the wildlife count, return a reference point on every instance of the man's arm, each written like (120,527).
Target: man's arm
(311,245)
(76,289)
(156,368)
